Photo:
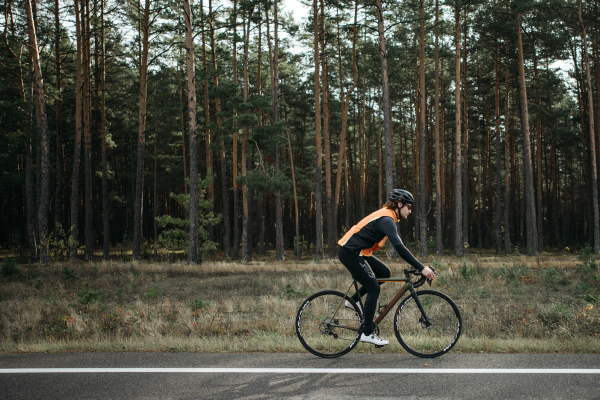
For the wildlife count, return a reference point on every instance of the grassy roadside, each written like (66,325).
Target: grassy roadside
(509,304)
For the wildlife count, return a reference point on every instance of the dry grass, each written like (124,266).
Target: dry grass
(508,304)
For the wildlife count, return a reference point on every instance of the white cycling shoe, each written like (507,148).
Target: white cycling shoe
(349,305)
(373,338)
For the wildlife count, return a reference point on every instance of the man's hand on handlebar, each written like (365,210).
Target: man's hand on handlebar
(428,273)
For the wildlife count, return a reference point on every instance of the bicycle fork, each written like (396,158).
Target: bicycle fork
(424,319)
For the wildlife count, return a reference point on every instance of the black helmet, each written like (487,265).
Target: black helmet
(402,195)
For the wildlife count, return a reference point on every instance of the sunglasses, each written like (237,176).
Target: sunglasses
(409,206)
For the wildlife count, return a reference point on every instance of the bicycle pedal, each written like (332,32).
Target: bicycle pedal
(378,346)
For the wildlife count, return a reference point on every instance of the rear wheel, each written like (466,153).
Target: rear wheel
(326,327)
(432,336)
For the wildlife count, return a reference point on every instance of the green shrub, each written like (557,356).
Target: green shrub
(10,271)
(197,303)
(290,292)
(554,278)
(511,273)
(87,296)
(555,313)
(69,274)
(154,292)
(468,272)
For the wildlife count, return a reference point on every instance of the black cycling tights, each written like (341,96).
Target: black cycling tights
(365,270)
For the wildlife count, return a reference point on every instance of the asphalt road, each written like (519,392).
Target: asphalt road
(282,385)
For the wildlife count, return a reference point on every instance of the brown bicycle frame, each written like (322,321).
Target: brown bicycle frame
(407,286)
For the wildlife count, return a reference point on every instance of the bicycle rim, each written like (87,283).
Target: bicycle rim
(318,329)
(421,339)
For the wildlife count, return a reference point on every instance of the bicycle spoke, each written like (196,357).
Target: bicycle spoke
(322,335)
(431,336)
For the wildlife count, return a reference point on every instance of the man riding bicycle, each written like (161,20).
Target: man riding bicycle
(359,243)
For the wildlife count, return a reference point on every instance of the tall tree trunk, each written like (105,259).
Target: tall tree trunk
(331,235)
(105,215)
(422,213)
(77,147)
(458,245)
(594,171)
(155,201)
(298,248)
(193,254)
(236,203)
(498,219)
(42,122)
(278,209)
(222,159)
(245,200)
(532,236)
(439,234)
(32,210)
(58,198)
(87,132)
(465,153)
(387,118)
(141,143)
(389,184)
(345,104)
(507,203)
(538,129)
(182,119)
(318,171)
(210,190)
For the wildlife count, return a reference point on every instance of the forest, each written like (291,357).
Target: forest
(236,128)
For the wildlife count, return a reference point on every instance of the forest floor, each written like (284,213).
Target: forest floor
(519,304)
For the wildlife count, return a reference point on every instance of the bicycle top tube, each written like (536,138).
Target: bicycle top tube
(393,279)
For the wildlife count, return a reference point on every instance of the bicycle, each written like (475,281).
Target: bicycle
(427,323)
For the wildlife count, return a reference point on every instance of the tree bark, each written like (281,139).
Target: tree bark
(318,171)
(193,254)
(498,219)
(222,159)
(507,204)
(439,234)
(345,104)
(389,184)
(594,171)
(77,146)
(465,153)
(245,200)
(331,235)
(278,209)
(87,132)
(58,198)
(458,245)
(105,215)
(422,214)
(155,201)
(532,236)
(210,190)
(236,203)
(539,147)
(141,143)
(42,122)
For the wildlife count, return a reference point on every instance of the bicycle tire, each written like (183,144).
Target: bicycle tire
(313,324)
(433,340)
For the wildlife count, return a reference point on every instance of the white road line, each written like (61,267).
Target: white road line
(299,370)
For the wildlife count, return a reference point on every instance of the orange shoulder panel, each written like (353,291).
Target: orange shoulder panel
(383,212)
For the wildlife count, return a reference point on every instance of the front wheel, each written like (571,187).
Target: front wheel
(326,327)
(432,334)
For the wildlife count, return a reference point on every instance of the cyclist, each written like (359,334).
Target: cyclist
(359,243)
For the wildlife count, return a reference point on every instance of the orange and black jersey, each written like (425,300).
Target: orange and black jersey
(371,233)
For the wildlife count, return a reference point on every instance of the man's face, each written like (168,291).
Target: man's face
(404,211)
